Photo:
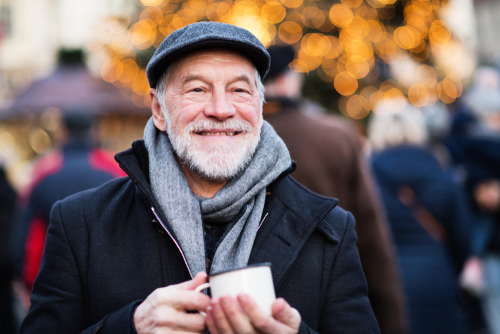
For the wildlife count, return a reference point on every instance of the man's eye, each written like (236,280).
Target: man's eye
(239,90)
(197,90)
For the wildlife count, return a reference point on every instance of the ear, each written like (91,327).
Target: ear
(158,117)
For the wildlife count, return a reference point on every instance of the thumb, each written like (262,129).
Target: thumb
(287,315)
(199,279)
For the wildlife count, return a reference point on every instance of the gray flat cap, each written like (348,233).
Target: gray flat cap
(205,35)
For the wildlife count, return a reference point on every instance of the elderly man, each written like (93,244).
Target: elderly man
(208,190)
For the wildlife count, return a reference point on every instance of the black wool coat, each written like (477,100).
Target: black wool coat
(106,251)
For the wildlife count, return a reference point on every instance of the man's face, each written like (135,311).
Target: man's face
(213,112)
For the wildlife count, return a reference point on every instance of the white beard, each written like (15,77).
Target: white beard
(213,162)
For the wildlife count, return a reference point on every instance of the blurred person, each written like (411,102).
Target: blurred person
(77,166)
(427,213)
(208,191)
(330,162)
(7,201)
(477,151)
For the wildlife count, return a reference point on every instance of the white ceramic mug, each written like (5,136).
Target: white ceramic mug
(255,280)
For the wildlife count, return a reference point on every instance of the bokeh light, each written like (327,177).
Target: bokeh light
(345,43)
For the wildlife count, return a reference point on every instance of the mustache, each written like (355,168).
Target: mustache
(207,124)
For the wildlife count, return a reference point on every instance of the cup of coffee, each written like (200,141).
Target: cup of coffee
(255,280)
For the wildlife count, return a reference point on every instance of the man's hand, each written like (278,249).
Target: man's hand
(228,316)
(164,311)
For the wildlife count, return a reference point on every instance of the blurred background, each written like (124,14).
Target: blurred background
(402,73)
(355,52)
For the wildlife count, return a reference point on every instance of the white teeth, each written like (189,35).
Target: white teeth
(217,133)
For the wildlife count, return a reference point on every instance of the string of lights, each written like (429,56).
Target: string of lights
(345,43)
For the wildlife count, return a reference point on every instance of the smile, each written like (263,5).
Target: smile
(218,133)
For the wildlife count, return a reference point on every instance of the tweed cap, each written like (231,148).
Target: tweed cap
(205,35)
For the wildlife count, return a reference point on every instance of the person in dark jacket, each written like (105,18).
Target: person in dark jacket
(77,166)
(475,147)
(331,163)
(7,201)
(428,216)
(207,191)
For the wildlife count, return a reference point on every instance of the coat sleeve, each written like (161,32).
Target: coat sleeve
(58,296)
(347,308)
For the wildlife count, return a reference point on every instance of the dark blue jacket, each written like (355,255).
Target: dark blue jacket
(106,252)
(429,266)
(76,167)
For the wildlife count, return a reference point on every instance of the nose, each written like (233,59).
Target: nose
(219,106)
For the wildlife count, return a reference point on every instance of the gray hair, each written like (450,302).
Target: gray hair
(389,129)
(162,83)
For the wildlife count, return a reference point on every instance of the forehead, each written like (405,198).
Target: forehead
(216,60)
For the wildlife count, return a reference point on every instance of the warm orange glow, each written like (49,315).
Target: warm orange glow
(290,32)
(273,12)
(345,83)
(111,70)
(313,17)
(341,15)
(407,37)
(312,62)
(329,67)
(387,49)
(357,66)
(358,107)
(439,33)
(419,24)
(367,92)
(311,28)
(300,66)
(377,31)
(292,3)
(130,71)
(418,95)
(198,6)
(352,3)
(151,2)
(143,32)
(335,48)
(223,11)
(325,76)
(443,94)
(152,13)
(316,44)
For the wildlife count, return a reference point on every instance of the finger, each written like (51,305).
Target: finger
(181,300)
(284,313)
(260,320)
(199,279)
(220,320)
(237,318)
(210,321)
(179,321)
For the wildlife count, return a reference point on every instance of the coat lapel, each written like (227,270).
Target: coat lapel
(285,230)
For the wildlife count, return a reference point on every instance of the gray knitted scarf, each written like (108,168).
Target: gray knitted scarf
(242,198)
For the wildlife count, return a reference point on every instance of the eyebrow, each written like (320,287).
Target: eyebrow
(193,77)
(242,78)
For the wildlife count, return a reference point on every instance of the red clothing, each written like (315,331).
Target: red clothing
(56,176)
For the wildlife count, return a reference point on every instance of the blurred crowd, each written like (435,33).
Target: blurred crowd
(422,183)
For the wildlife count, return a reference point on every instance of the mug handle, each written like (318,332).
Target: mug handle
(200,288)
